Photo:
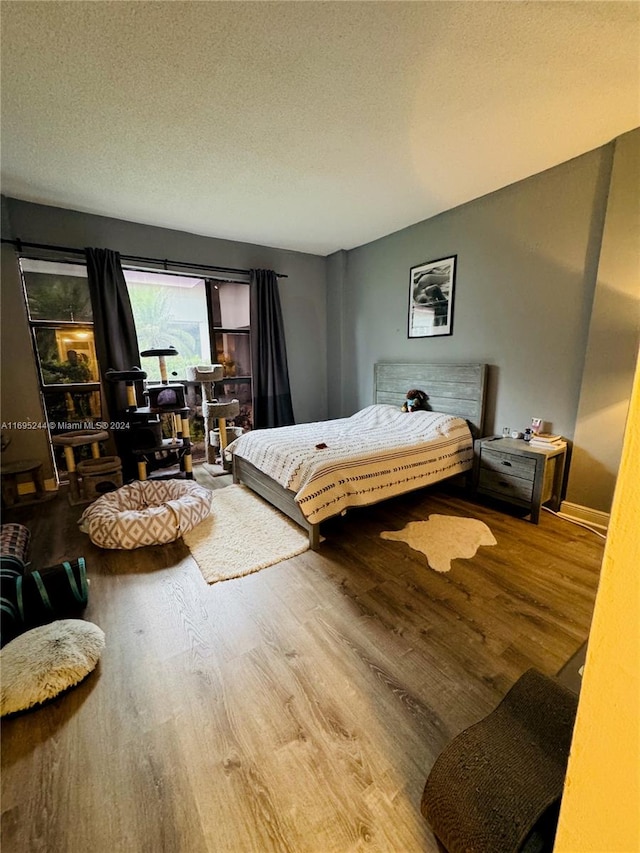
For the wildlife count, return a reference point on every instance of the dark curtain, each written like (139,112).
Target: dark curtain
(271,393)
(113,327)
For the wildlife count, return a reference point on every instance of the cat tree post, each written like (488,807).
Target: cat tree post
(69,441)
(212,410)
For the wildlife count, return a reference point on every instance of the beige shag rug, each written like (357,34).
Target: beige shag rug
(44,661)
(242,534)
(444,538)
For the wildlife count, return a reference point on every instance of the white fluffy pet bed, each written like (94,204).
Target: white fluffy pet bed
(43,662)
(151,512)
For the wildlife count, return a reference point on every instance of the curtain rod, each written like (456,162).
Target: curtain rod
(137,258)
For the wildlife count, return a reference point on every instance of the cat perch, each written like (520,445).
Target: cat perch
(212,409)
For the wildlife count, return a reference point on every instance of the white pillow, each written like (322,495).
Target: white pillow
(41,663)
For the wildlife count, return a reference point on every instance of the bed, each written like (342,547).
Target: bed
(312,472)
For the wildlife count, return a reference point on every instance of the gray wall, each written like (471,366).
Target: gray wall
(303,297)
(336,283)
(526,274)
(614,331)
(20,389)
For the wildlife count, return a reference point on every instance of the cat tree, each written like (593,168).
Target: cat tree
(144,436)
(213,411)
(85,478)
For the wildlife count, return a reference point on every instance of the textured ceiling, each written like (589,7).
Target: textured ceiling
(306,125)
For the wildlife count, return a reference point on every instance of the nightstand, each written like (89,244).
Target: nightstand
(510,470)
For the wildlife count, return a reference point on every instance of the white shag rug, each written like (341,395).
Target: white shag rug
(444,538)
(44,661)
(242,534)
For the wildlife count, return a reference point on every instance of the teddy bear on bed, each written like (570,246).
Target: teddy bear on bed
(415,400)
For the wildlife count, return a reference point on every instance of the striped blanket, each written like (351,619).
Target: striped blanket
(375,454)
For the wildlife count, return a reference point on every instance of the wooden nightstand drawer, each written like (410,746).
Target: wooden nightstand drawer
(505,486)
(509,464)
(512,471)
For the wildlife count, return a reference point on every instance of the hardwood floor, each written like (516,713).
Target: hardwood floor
(296,709)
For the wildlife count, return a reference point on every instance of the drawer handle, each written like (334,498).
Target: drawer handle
(502,483)
(505,462)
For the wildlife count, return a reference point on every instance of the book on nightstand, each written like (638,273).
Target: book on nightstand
(546,437)
(557,444)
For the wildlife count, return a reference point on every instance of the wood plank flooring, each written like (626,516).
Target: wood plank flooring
(298,709)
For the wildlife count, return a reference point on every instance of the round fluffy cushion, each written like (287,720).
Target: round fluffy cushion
(43,662)
(151,512)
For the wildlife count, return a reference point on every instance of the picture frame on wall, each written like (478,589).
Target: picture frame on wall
(431,295)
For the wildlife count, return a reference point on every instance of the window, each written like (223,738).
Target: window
(205,320)
(230,324)
(61,321)
(170,310)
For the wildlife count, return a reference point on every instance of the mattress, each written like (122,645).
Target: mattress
(375,454)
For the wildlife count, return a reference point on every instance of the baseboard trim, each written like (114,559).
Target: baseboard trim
(585,514)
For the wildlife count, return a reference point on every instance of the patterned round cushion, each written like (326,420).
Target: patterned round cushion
(150,512)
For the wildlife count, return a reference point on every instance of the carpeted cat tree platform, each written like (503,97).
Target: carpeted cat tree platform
(496,788)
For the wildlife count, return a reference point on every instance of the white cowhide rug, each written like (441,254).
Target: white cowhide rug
(444,538)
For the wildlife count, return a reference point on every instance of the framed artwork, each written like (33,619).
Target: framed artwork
(431,293)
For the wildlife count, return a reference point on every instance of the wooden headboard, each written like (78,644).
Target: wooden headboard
(457,389)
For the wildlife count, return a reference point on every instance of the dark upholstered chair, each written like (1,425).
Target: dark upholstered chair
(496,788)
